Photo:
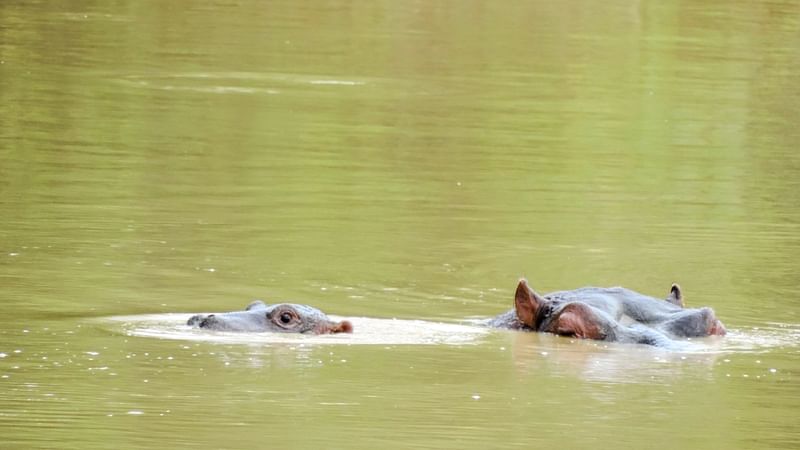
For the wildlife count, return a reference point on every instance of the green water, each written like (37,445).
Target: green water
(402,160)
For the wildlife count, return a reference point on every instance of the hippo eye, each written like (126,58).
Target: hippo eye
(284,317)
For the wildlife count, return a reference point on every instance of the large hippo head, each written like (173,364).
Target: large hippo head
(282,318)
(613,314)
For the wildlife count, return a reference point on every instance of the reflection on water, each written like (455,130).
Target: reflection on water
(405,160)
(172,377)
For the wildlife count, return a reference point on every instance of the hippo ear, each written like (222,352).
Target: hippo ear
(256,304)
(675,295)
(527,303)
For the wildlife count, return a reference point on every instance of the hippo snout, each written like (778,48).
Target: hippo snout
(717,328)
(333,327)
(202,321)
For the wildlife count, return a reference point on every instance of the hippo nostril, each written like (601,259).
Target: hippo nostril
(207,321)
(194,320)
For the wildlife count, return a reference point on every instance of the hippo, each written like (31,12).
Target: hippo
(283,318)
(609,314)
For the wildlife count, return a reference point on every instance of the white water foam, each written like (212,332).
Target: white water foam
(371,331)
(367,331)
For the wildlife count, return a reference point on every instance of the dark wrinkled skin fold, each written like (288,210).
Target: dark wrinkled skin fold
(280,318)
(609,314)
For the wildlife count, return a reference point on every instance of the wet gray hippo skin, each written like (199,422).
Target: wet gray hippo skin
(609,314)
(282,318)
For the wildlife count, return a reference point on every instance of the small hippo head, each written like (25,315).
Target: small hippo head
(282,318)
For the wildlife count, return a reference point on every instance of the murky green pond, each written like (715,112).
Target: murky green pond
(394,160)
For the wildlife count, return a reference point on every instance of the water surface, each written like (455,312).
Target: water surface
(403,161)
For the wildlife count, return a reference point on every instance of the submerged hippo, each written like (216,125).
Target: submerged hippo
(608,314)
(284,318)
